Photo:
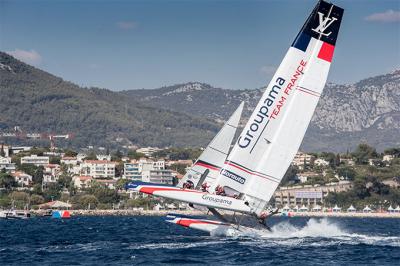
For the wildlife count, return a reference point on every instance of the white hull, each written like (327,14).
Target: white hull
(193,196)
(213,227)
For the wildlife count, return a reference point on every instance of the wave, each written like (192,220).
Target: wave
(317,232)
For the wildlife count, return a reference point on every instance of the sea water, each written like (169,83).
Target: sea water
(149,240)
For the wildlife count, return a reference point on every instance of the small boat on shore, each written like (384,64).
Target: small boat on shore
(14,214)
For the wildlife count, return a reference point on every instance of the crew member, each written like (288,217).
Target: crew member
(188,185)
(219,190)
(204,187)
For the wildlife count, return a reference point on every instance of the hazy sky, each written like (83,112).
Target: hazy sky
(230,44)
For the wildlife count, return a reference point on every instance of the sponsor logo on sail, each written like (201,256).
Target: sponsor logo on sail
(262,114)
(217,200)
(233,176)
(324,23)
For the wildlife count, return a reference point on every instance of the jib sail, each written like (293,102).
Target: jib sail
(214,156)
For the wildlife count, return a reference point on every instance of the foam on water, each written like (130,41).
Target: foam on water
(326,231)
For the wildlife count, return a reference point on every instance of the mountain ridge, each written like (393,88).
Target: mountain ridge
(368,110)
(187,114)
(38,101)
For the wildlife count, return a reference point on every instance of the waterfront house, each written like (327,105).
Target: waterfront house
(82,182)
(22,178)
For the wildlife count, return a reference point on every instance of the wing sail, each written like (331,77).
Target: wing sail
(276,128)
(214,156)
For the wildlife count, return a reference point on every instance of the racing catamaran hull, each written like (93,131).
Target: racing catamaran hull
(212,226)
(192,196)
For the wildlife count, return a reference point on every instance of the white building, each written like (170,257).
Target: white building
(302,159)
(388,157)
(98,169)
(164,177)
(51,173)
(82,182)
(140,169)
(308,195)
(131,171)
(148,151)
(6,164)
(23,179)
(16,150)
(304,177)
(103,157)
(69,161)
(35,160)
(321,162)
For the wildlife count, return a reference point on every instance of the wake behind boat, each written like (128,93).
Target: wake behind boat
(244,179)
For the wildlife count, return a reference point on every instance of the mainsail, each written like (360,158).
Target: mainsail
(275,130)
(214,156)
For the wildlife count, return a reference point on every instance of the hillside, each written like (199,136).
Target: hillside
(186,114)
(38,101)
(367,111)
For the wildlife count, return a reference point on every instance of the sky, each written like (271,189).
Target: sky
(235,44)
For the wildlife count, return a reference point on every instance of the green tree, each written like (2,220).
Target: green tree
(55,160)
(20,199)
(70,153)
(91,156)
(135,155)
(392,151)
(290,175)
(88,202)
(7,181)
(119,169)
(2,152)
(36,199)
(117,156)
(65,180)
(364,152)
(347,172)
(180,168)
(121,183)
(103,194)
(37,176)
(30,169)
(5,201)
(52,192)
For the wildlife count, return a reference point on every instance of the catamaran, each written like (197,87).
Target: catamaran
(252,170)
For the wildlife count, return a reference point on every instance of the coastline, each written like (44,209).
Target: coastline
(200,213)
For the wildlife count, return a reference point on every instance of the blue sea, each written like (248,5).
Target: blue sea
(150,241)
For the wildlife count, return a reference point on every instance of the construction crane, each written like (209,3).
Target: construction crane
(20,134)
